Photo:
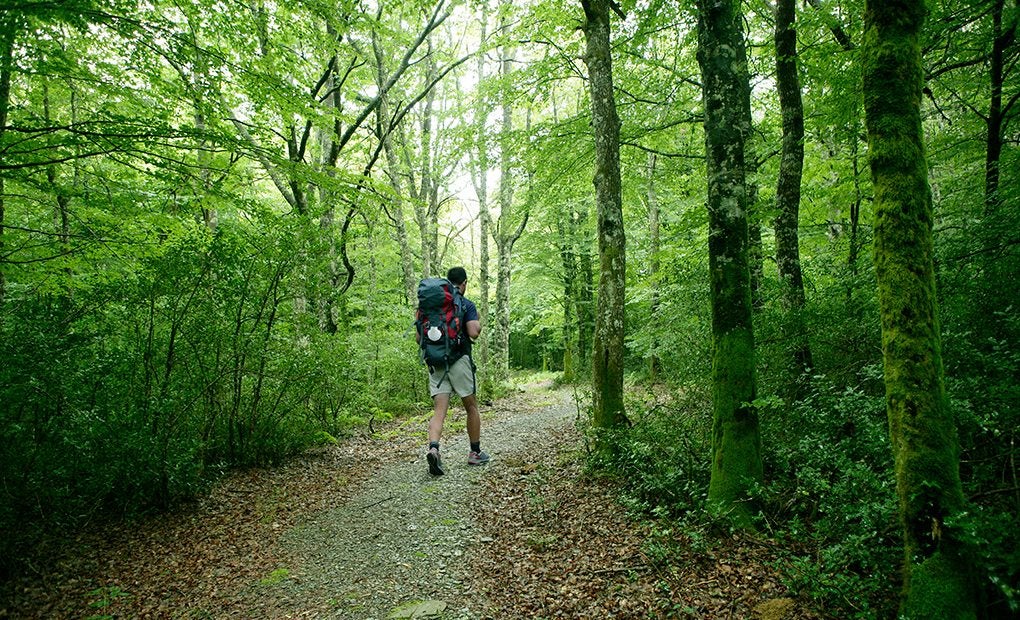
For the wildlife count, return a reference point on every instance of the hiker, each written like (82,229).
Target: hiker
(455,376)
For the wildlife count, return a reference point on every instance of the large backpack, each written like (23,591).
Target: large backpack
(439,322)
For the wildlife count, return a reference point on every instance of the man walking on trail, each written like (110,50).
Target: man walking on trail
(459,378)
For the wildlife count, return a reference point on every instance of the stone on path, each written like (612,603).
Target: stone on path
(418,609)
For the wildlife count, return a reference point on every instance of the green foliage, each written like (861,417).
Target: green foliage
(830,494)
(660,461)
(991,536)
(986,401)
(130,394)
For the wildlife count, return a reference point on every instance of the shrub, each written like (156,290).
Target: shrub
(830,495)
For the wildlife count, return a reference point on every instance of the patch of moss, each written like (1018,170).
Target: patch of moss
(275,577)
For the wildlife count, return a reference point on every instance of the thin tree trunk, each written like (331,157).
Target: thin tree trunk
(395,210)
(736,442)
(607,362)
(428,193)
(937,576)
(8,29)
(855,214)
(507,232)
(568,259)
(791,168)
(482,191)
(755,247)
(834,26)
(585,297)
(61,222)
(1004,37)
(501,339)
(653,266)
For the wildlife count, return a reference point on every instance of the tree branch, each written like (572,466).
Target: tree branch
(834,26)
(434,22)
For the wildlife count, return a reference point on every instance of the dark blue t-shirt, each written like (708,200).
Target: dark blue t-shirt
(470,314)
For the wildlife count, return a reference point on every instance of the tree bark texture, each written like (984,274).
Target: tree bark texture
(791,168)
(937,580)
(607,360)
(736,441)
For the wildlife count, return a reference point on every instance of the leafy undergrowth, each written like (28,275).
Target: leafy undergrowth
(559,545)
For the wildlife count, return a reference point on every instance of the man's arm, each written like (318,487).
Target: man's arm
(471,322)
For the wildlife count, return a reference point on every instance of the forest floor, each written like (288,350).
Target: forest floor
(360,530)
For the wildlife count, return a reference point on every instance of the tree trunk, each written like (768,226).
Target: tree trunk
(755,248)
(568,259)
(500,361)
(395,211)
(855,215)
(1003,38)
(791,169)
(61,223)
(607,362)
(653,264)
(509,226)
(8,28)
(427,203)
(937,576)
(585,297)
(736,442)
(482,191)
(996,227)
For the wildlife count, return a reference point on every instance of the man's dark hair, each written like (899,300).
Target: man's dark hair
(457,275)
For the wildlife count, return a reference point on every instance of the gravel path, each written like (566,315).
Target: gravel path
(396,548)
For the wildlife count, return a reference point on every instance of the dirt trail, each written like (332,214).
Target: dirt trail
(398,545)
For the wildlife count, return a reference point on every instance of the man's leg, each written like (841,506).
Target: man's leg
(440,405)
(474,429)
(474,421)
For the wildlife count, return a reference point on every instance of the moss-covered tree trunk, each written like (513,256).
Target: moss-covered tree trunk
(937,580)
(607,360)
(791,167)
(736,442)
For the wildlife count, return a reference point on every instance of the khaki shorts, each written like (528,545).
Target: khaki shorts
(460,379)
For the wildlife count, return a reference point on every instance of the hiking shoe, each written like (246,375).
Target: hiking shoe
(478,458)
(435,463)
